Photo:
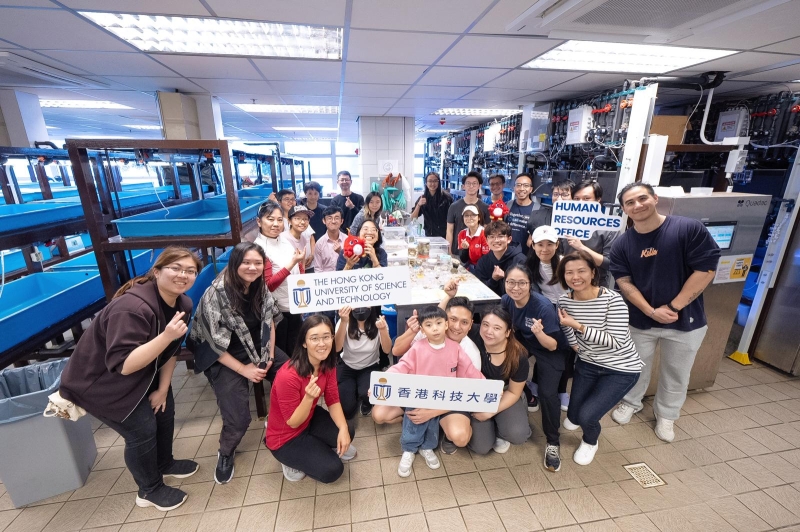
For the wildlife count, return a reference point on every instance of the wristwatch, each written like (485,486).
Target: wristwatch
(673,309)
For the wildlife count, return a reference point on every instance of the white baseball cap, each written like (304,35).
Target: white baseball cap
(545,232)
(470,208)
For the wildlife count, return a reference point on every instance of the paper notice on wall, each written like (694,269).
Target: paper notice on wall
(490,136)
(733,268)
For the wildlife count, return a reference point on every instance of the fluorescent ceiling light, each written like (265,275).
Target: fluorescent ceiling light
(451,111)
(230,138)
(593,56)
(82,104)
(102,137)
(215,36)
(143,126)
(293,109)
(52,127)
(276,128)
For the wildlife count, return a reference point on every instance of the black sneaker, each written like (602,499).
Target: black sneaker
(181,469)
(164,498)
(533,404)
(224,471)
(447,446)
(552,458)
(366,408)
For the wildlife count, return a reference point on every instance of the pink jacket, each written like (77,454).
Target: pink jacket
(450,361)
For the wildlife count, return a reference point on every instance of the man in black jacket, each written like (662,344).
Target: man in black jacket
(491,268)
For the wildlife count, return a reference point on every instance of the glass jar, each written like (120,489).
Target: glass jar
(423,248)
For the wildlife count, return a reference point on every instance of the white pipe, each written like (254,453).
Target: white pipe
(705,119)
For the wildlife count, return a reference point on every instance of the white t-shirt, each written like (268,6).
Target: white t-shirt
(551,291)
(279,252)
(305,236)
(466,344)
(361,353)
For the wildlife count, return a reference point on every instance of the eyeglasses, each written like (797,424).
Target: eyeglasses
(320,339)
(514,284)
(496,237)
(562,195)
(523,185)
(177,270)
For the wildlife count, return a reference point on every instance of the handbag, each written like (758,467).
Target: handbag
(57,406)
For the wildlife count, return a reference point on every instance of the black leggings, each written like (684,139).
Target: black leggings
(287,332)
(313,451)
(353,385)
(569,372)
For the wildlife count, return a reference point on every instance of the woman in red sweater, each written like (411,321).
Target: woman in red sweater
(472,240)
(304,437)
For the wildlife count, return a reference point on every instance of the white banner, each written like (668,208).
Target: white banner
(582,218)
(367,287)
(439,393)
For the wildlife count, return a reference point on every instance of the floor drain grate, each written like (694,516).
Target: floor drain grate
(645,476)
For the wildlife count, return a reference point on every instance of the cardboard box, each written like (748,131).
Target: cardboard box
(671,126)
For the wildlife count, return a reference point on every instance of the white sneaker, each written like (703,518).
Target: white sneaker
(585,453)
(430,458)
(292,475)
(665,429)
(501,446)
(623,413)
(349,454)
(406,461)
(569,425)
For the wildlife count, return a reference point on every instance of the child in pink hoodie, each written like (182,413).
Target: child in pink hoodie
(437,356)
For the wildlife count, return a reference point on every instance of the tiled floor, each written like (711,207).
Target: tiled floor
(735,465)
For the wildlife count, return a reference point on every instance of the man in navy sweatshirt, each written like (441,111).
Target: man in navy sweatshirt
(491,268)
(662,265)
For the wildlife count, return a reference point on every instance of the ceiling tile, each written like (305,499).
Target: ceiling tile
(112,63)
(298,70)
(156,83)
(424,103)
(740,62)
(374,90)
(382,73)
(554,95)
(55,30)
(453,16)
(736,85)
(460,76)
(495,21)
(494,51)
(306,99)
(203,66)
(790,47)
(370,102)
(768,27)
(267,99)
(435,91)
(402,111)
(319,88)
(591,82)
(788,73)
(396,47)
(320,12)
(532,80)
(364,111)
(491,93)
(235,86)
(154,7)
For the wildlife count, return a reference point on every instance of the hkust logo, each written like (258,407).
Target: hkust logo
(302,294)
(381,390)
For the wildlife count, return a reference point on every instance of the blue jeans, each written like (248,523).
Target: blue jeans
(595,391)
(423,436)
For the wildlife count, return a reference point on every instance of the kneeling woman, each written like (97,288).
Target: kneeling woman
(121,370)
(233,339)
(595,320)
(505,359)
(304,437)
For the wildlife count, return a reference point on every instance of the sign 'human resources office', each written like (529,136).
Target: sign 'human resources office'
(369,287)
(582,218)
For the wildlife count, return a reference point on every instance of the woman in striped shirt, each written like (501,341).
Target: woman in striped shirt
(595,321)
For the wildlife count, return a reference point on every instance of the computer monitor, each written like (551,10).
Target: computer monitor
(722,233)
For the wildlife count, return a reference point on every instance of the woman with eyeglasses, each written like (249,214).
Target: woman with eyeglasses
(373,209)
(233,340)
(282,260)
(433,206)
(374,255)
(304,437)
(537,328)
(121,371)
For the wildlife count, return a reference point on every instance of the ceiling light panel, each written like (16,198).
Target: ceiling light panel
(592,56)
(283,128)
(214,36)
(294,109)
(452,111)
(82,104)
(148,127)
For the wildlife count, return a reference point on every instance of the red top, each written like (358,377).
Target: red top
(288,390)
(478,246)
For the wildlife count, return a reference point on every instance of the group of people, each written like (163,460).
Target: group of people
(557,305)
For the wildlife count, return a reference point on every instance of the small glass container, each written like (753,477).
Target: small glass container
(412,251)
(423,248)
